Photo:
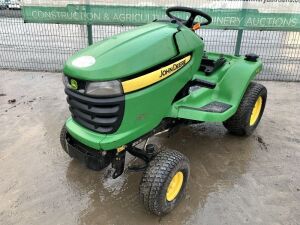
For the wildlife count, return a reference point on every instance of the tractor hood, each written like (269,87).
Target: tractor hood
(125,54)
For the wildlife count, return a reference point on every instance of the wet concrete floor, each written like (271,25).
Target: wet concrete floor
(234,180)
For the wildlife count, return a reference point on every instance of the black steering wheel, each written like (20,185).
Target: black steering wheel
(190,21)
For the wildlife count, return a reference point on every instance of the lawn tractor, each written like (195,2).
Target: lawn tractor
(150,80)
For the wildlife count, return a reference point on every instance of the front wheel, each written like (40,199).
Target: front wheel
(250,111)
(163,184)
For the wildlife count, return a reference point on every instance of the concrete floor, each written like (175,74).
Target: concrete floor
(253,180)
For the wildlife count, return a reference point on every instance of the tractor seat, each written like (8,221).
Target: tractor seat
(208,66)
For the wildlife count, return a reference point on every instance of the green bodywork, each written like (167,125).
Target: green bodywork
(135,51)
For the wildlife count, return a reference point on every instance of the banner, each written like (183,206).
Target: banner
(226,14)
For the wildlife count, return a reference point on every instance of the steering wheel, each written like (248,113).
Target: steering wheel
(190,21)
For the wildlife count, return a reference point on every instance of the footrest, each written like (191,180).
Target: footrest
(214,107)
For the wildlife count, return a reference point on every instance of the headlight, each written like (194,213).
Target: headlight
(105,88)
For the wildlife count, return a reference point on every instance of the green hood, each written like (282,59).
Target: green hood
(126,54)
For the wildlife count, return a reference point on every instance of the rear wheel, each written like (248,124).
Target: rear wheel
(250,111)
(163,184)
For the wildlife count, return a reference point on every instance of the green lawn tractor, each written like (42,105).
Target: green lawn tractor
(150,80)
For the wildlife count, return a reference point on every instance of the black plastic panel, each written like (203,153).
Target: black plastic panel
(103,115)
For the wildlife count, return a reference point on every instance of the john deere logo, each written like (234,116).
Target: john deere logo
(172,68)
(74,84)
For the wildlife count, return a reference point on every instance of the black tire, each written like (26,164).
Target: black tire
(63,135)
(239,123)
(156,179)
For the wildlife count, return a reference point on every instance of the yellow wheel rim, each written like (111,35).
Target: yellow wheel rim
(256,111)
(174,186)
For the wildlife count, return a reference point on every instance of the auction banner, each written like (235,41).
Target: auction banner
(226,14)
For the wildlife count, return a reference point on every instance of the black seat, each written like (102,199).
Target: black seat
(208,66)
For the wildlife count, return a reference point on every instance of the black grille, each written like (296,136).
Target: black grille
(103,115)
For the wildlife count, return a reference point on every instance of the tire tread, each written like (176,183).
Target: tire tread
(155,177)
(238,124)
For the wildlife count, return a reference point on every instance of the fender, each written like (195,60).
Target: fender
(231,84)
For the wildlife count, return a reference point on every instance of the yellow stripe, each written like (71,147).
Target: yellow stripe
(155,76)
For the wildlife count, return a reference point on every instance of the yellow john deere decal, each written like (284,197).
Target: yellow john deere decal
(155,76)
(74,84)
